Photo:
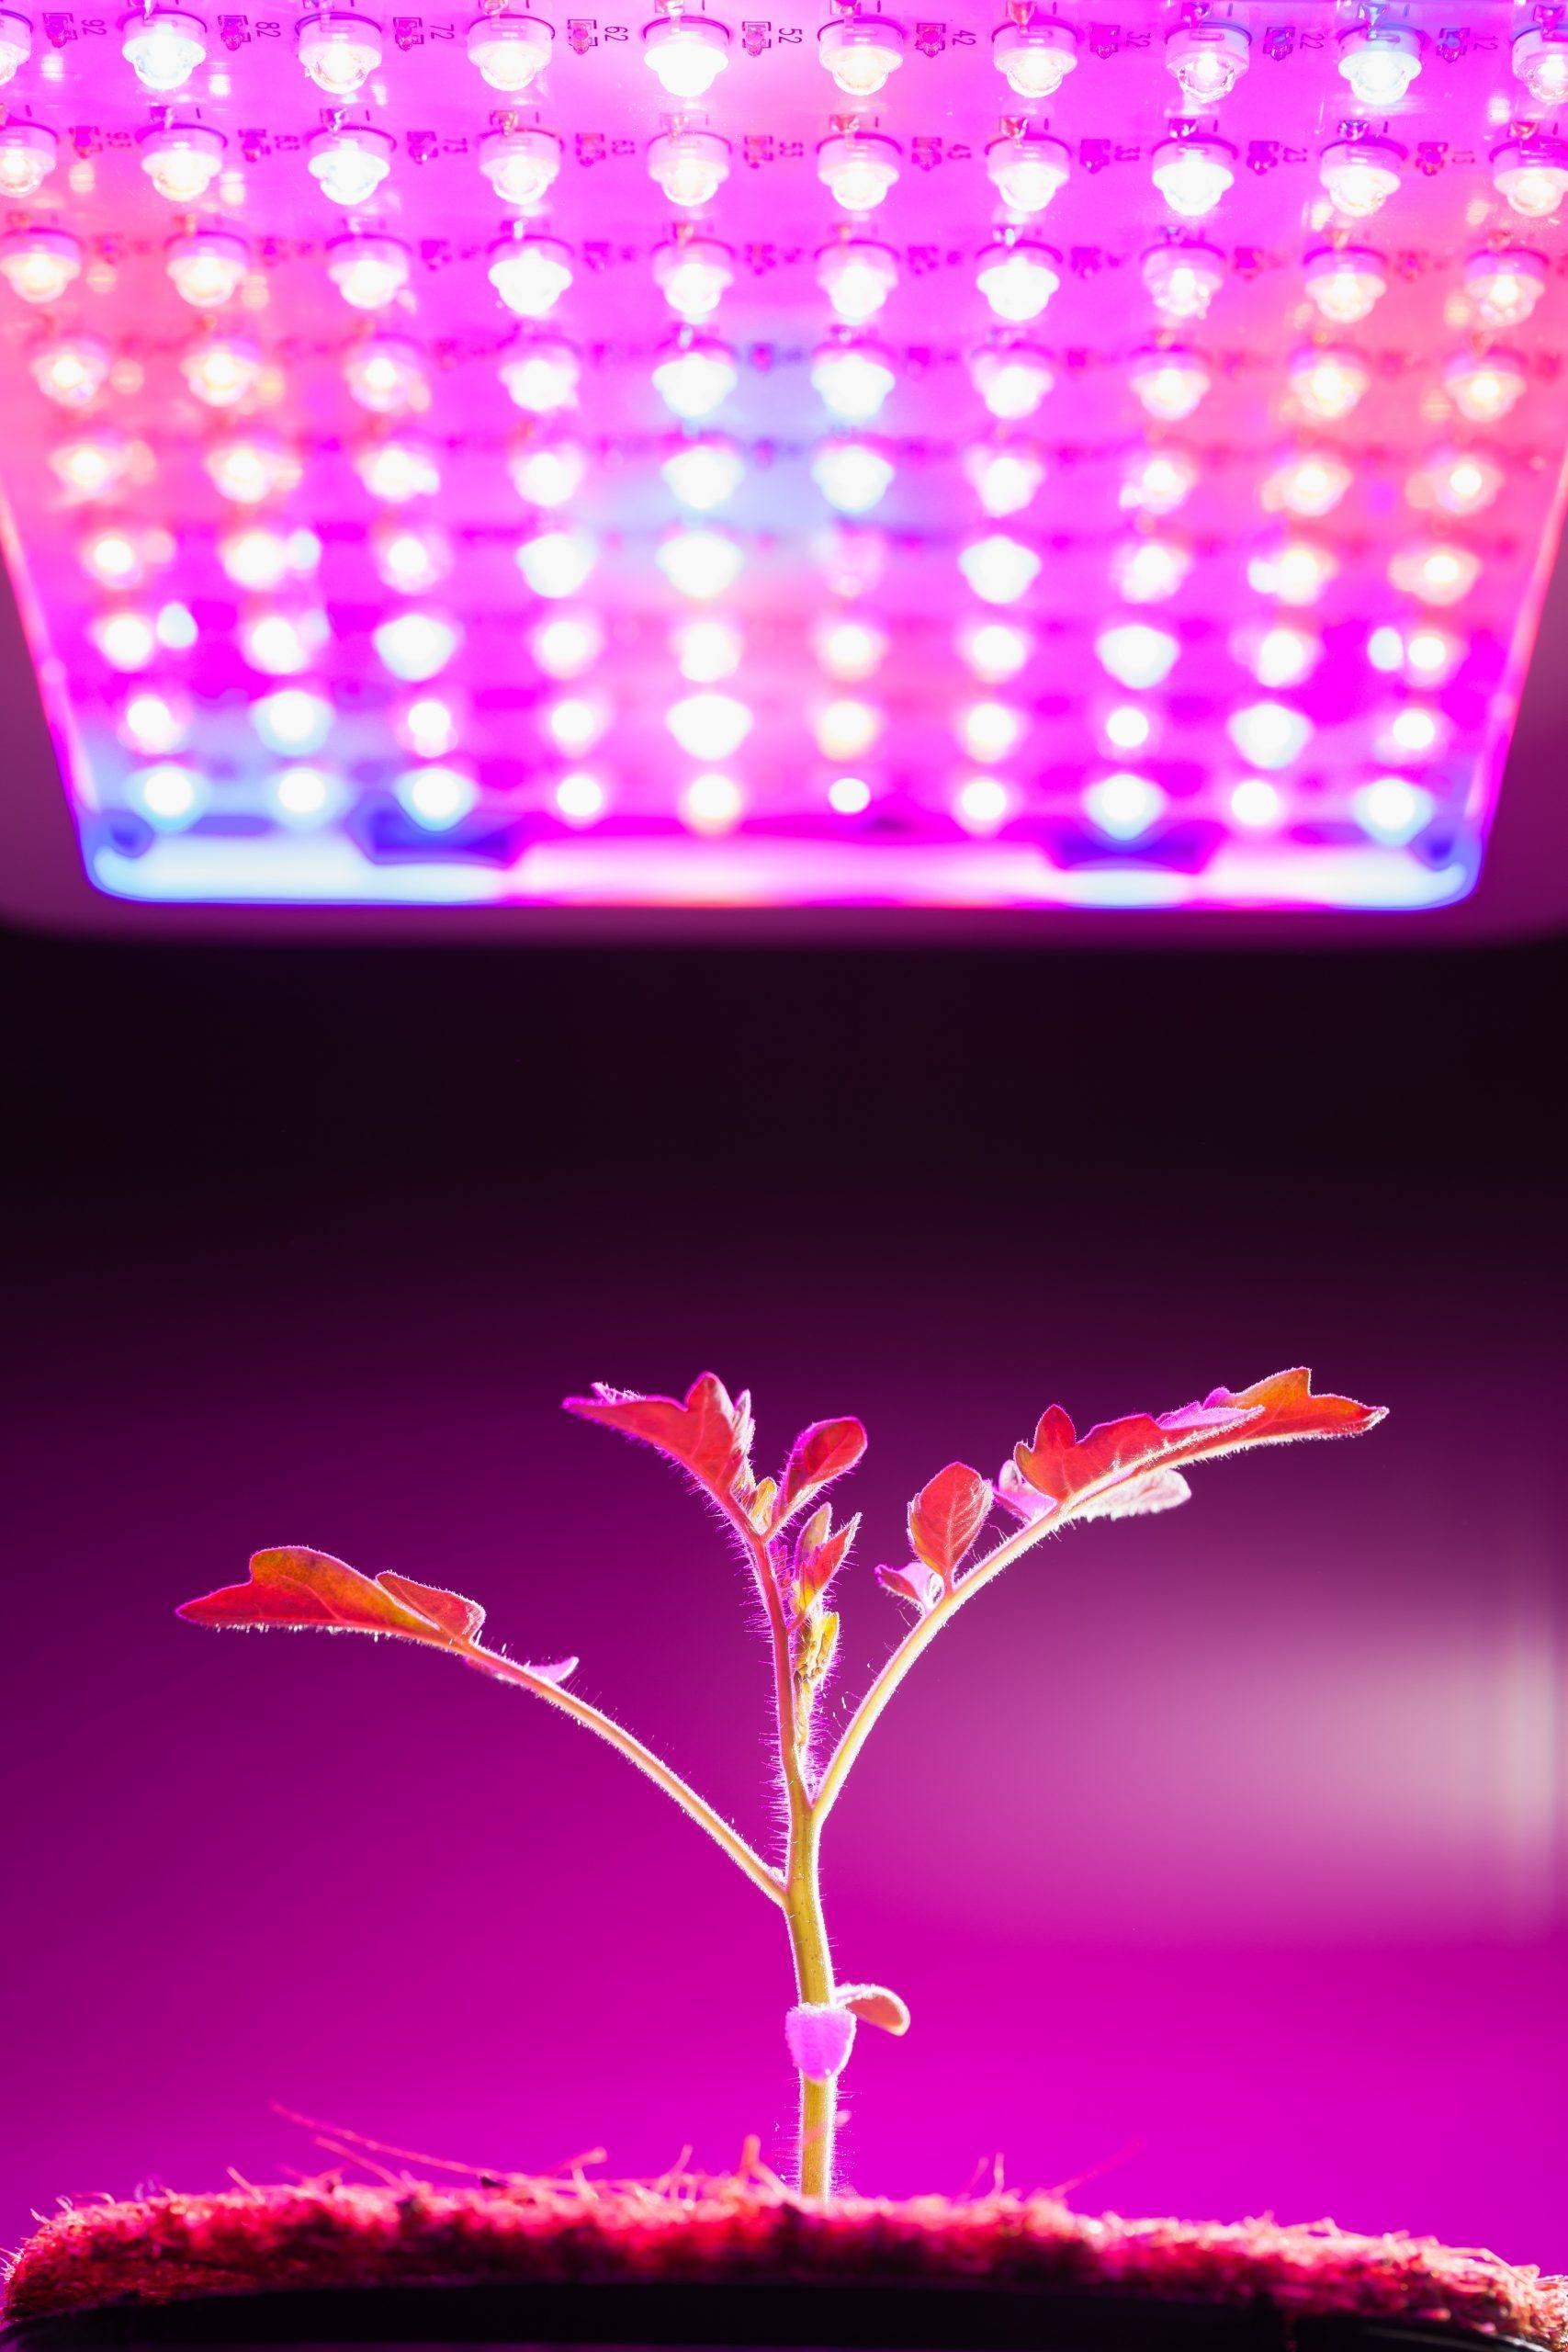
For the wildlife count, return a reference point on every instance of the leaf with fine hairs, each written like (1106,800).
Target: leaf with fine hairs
(820,1454)
(874,2004)
(819,1554)
(1120,1467)
(947,1515)
(704,1432)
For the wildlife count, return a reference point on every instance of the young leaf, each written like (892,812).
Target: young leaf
(706,1434)
(874,2004)
(1079,1475)
(916,1583)
(819,1454)
(294,1585)
(947,1515)
(819,1554)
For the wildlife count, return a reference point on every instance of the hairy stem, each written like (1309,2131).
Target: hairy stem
(626,1743)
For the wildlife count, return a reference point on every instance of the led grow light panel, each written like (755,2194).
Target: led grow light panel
(1003,460)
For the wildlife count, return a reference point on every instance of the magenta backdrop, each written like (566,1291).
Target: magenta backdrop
(1218,1857)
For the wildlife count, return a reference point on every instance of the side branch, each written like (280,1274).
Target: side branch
(626,1743)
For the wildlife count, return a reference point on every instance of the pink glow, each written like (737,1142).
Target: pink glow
(377,355)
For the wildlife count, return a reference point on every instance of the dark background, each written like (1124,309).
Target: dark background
(303,1245)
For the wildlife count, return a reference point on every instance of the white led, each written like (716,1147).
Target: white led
(1126,727)
(28,152)
(1460,482)
(857,275)
(437,798)
(995,651)
(1506,286)
(510,52)
(556,562)
(255,558)
(1311,484)
(168,795)
(38,265)
(428,726)
(247,468)
(1192,174)
(530,273)
(416,646)
(303,797)
(685,54)
(1346,283)
(566,645)
(694,377)
(847,729)
(207,267)
(1012,378)
(398,469)
(705,472)
(116,557)
(1006,476)
(1391,810)
(852,476)
(152,723)
(861,53)
(1148,571)
(689,166)
(1269,734)
(1533,179)
(849,796)
(1255,805)
(1379,61)
(1028,169)
(282,644)
(1168,384)
(853,378)
(849,650)
(712,803)
(998,570)
(1208,59)
(411,559)
(521,167)
(1360,175)
(292,719)
(989,731)
(1035,58)
(699,562)
(1541,62)
(348,165)
(549,472)
(707,648)
(982,804)
(388,375)
(541,374)
(579,798)
(1483,387)
(710,726)
(1296,572)
(576,722)
(1159,480)
(1123,806)
(222,370)
(340,52)
(1183,279)
(1018,279)
(16,44)
(1136,655)
(1431,655)
(182,159)
(1412,733)
(164,46)
(70,370)
(92,465)
(858,168)
(1438,572)
(368,271)
(127,640)
(693,273)
(1329,381)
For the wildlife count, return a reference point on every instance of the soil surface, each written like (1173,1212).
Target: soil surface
(330,2232)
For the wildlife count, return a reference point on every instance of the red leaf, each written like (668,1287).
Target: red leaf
(946,1516)
(1079,1475)
(874,2004)
(916,1583)
(820,1454)
(705,1434)
(294,1585)
(819,1554)
(464,1618)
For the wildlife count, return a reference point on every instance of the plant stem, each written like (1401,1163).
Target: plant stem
(594,1719)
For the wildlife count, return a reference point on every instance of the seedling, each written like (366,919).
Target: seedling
(793,1552)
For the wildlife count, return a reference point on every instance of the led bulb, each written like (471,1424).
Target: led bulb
(348,165)
(693,273)
(858,168)
(549,472)
(70,370)
(566,645)
(1128,727)
(182,159)
(510,52)
(255,558)
(1329,381)
(1006,476)
(91,465)
(221,371)
(250,468)
(710,726)
(708,650)
(1192,174)
(689,166)
(437,798)
(994,650)
(416,646)
(282,644)
(1346,283)
(1391,810)
(1379,61)
(340,53)
(556,562)
(16,44)
(520,165)
(861,53)
(1018,279)
(1149,572)
(368,271)
(1183,279)
(114,558)
(857,276)
(712,803)
(579,798)
(853,378)
(1310,484)
(1168,384)
(1485,387)
(1035,58)
(1255,805)
(153,723)
(847,729)
(1159,480)
(698,561)
(1458,482)
(1282,655)
(1412,733)
(1208,59)
(1533,179)
(1295,573)
(998,570)
(28,152)
(1541,62)
(575,723)
(168,795)
(1012,378)
(541,374)
(1360,175)
(849,796)
(1437,572)
(695,377)
(686,55)
(1028,171)
(292,719)
(38,265)
(982,804)
(852,476)
(1506,286)
(1431,655)
(530,274)
(1124,808)
(164,46)
(850,650)
(207,267)
(1136,655)
(127,640)
(398,469)
(386,374)
(705,472)
(1269,734)
(303,797)
(989,731)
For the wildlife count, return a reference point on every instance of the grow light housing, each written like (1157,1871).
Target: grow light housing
(352,540)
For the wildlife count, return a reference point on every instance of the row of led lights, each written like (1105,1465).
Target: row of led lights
(1034,52)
